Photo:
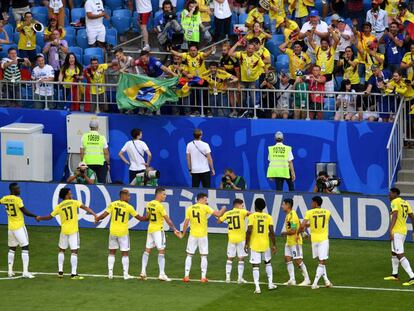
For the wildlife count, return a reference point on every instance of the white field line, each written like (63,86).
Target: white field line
(220,281)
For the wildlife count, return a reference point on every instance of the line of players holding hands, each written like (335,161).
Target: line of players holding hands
(259,238)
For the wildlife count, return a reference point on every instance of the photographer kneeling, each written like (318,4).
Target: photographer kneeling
(167,26)
(326,184)
(83,175)
(231,181)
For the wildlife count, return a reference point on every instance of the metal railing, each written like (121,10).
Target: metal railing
(396,141)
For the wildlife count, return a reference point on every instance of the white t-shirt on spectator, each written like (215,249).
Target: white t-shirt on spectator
(95,7)
(143,6)
(198,151)
(222,10)
(174,3)
(136,151)
(43,89)
(344,43)
(55,5)
(321,27)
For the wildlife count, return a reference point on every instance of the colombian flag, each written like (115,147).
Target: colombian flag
(141,91)
(183,86)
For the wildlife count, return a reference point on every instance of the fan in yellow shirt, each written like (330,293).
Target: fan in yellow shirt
(293,246)
(260,232)
(67,210)
(237,234)
(259,33)
(217,79)
(400,210)
(120,211)
(255,15)
(370,57)
(298,60)
(196,216)
(262,52)
(397,85)
(27,39)
(317,219)
(156,215)
(195,60)
(17,233)
(407,63)
(325,53)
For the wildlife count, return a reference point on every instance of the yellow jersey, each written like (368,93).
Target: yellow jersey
(280,11)
(264,54)
(407,59)
(98,77)
(319,224)
(120,211)
(402,208)
(156,213)
(260,223)
(178,69)
(27,39)
(262,37)
(297,62)
(236,224)
(251,67)
(370,60)
(363,41)
(351,73)
(253,17)
(61,30)
(217,83)
(202,4)
(391,7)
(13,206)
(400,88)
(69,73)
(290,27)
(300,7)
(325,59)
(197,214)
(68,213)
(196,65)
(292,223)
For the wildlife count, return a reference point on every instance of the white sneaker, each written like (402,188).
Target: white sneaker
(328,284)
(305,283)
(10,274)
(315,286)
(143,276)
(110,275)
(272,286)
(290,283)
(147,47)
(128,277)
(228,280)
(241,281)
(257,290)
(28,275)
(164,277)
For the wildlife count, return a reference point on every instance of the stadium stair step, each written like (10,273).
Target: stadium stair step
(407,163)
(406,175)
(406,187)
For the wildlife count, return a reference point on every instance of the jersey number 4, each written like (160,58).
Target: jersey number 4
(196,215)
(12,209)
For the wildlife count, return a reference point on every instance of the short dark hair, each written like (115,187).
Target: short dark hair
(63,193)
(238,201)
(325,39)
(11,49)
(12,186)
(214,63)
(395,190)
(166,2)
(123,191)
(118,50)
(259,204)
(298,43)
(192,44)
(288,201)
(201,196)
(197,133)
(323,173)
(27,13)
(394,23)
(135,133)
(318,200)
(367,24)
(255,41)
(229,170)
(159,190)
(143,53)
(93,59)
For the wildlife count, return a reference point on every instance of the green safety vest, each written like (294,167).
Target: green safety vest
(278,161)
(191,26)
(93,145)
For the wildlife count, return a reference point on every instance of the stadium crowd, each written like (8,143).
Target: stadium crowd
(301,52)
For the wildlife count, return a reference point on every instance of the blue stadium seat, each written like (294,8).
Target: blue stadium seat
(157,14)
(78,53)
(40,40)
(329,104)
(42,18)
(77,3)
(338,81)
(111,40)
(108,11)
(134,23)
(367,6)
(155,5)
(106,23)
(70,39)
(282,58)
(39,10)
(180,5)
(234,18)
(121,23)
(266,21)
(38,49)
(328,20)
(242,18)
(66,21)
(112,32)
(70,31)
(318,6)
(6,47)
(10,30)
(16,37)
(87,59)
(114,4)
(76,14)
(278,38)
(82,39)
(282,66)
(93,51)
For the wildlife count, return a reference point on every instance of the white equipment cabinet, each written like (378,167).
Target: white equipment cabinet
(26,152)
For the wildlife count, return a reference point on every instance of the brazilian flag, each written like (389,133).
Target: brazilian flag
(136,91)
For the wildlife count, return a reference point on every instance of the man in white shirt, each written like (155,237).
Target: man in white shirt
(345,34)
(43,91)
(321,31)
(144,9)
(378,19)
(95,29)
(136,150)
(199,161)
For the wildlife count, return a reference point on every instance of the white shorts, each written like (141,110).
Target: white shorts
(96,34)
(234,249)
(294,251)
(119,242)
(71,240)
(397,245)
(320,250)
(156,239)
(256,258)
(201,243)
(18,237)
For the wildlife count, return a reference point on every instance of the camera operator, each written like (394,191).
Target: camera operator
(231,181)
(326,184)
(166,25)
(83,175)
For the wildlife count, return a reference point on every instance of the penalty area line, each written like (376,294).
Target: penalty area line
(220,281)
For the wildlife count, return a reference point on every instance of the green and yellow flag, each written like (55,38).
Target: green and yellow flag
(141,91)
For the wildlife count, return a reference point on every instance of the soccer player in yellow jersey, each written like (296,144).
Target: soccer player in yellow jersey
(67,210)
(237,234)
(196,216)
(120,211)
(293,246)
(400,210)
(317,219)
(260,232)
(17,233)
(156,215)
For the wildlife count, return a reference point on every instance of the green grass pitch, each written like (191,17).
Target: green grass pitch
(361,264)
